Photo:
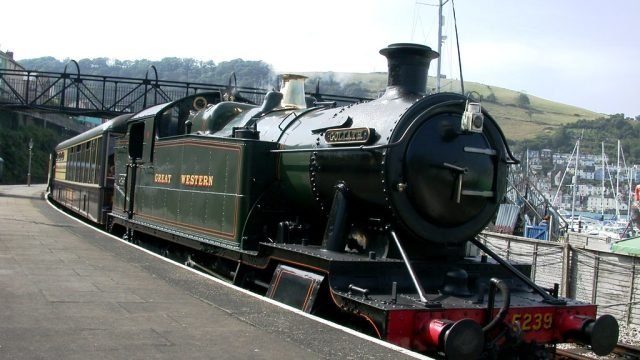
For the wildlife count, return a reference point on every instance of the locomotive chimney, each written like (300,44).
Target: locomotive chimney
(408,67)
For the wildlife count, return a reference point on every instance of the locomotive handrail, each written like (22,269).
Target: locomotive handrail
(547,297)
(346,148)
(350,148)
(412,274)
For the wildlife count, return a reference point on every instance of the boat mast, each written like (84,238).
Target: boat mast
(603,166)
(573,152)
(575,182)
(618,183)
(629,193)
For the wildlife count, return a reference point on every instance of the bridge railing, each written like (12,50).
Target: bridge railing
(97,95)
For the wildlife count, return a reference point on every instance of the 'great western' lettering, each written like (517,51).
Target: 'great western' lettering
(196,180)
(162,178)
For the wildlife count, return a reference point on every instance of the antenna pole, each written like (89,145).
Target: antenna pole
(439,45)
(455,24)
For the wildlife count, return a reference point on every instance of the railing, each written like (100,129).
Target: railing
(93,94)
(83,94)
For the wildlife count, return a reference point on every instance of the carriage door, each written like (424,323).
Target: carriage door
(136,146)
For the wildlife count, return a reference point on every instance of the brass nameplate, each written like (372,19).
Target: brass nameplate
(348,136)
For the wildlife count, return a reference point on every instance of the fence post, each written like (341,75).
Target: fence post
(535,261)
(594,284)
(566,279)
(632,283)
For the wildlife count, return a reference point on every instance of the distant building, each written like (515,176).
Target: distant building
(7,62)
(595,203)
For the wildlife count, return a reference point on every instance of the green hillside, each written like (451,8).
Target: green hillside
(541,116)
(519,121)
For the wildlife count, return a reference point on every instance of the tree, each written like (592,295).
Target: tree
(560,138)
(523,100)
(14,151)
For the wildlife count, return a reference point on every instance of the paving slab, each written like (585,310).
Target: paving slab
(70,292)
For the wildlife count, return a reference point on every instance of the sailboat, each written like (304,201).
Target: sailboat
(619,228)
(590,223)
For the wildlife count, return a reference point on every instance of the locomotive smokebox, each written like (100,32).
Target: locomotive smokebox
(408,67)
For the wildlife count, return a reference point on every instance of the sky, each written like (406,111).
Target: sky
(579,52)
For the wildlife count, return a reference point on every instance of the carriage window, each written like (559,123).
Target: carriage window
(97,162)
(91,178)
(72,164)
(76,163)
(87,162)
(67,176)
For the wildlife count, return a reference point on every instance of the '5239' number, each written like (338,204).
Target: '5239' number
(533,321)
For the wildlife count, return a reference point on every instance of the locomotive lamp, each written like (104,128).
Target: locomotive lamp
(472,118)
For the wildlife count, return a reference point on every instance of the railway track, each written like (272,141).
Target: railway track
(621,351)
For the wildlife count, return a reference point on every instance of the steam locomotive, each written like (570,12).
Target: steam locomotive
(361,213)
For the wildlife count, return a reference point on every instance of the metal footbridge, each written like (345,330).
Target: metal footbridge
(71,92)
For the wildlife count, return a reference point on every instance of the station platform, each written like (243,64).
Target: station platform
(68,291)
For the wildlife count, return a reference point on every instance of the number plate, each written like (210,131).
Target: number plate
(533,321)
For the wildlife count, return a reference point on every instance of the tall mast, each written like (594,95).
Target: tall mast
(575,182)
(602,202)
(618,182)
(629,193)
(566,170)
